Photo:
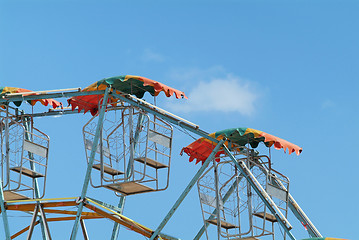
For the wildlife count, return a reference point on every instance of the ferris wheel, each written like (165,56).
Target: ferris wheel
(128,144)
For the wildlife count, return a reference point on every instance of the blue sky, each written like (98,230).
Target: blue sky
(286,68)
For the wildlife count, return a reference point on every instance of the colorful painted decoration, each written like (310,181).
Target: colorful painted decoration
(134,85)
(202,148)
(45,102)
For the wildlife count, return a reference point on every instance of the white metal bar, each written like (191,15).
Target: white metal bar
(42,92)
(164,111)
(33,220)
(46,226)
(84,231)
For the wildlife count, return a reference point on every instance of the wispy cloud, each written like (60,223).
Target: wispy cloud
(223,94)
(151,56)
(328,104)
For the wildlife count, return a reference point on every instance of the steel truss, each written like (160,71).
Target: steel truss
(95,210)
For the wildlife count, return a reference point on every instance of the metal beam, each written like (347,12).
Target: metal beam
(9,99)
(105,205)
(33,221)
(84,231)
(90,163)
(46,226)
(56,113)
(21,205)
(187,190)
(66,212)
(43,92)
(303,218)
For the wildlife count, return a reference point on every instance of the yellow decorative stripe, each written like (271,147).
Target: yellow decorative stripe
(10,89)
(256,133)
(213,135)
(92,87)
(131,76)
(41,200)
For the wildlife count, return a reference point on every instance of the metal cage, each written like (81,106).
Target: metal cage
(134,151)
(24,158)
(229,202)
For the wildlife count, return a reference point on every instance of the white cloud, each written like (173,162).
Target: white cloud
(328,104)
(151,56)
(227,94)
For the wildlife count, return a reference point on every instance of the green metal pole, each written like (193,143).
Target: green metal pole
(90,164)
(187,190)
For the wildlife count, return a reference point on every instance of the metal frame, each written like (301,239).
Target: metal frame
(96,210)
(162,114)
